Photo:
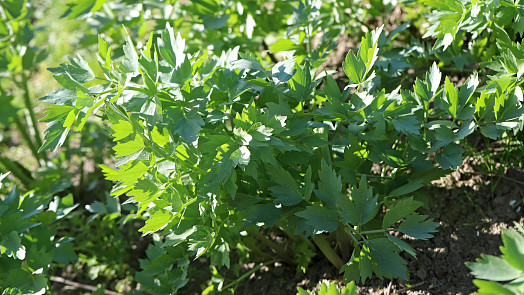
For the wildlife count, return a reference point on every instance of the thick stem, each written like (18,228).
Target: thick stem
(247,274)
(343,242)
(23,132)
(274,247)
(17,172)
(292,236)
(271,55)
(29,106)
(251,246)
(326,249)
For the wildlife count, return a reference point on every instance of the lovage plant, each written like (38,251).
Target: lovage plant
(213,148)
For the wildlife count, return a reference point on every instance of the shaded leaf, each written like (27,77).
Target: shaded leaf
(418,227)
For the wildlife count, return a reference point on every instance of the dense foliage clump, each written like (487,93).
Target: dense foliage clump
(229,121)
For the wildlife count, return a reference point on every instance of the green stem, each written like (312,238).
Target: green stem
(376,231)
(23,132)
(247,274)
(352,236)
(274,247)
(254,248)
(17,172)
(310,44)
(30,109)
(292,236)
(373,176)
(357,231)
(326,249)
(343,241)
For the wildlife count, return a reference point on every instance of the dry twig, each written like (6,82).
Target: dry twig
(81,286)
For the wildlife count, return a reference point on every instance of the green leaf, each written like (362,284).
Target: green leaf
(399,210)
(129,147)
(444,134)
(402,245)
(121,130)
(131,61)
(157,221)
(330,185)
(130,173)
(513,249)
(418,227)
(354,68)
(331,89)
(248,64)
(450,157)
(488,288)
(187,125)
(407,124)
(491,132)
(466,91)
(320,218)
(96,207)
(283,45)
(60,96)
(215,22)
(201,240)
(349,289)
(12,246)
(78,70)
(365,204)
(160,138)
(385,255)
(328,289)
(302,291)
(15,8)
(446,22)
(104,50)
(452,98)
(64,253)
(300,86)
(57,113)
(287,191)
(365,264)
(465,129)
(458,98)
(283,71)
(144,191)
(407,188)
(265,214)
(174,239)
(362,207)
(46,217)
(308,186)
(54,136)
(368,50)
(183,72)
(171,48)
(493,268)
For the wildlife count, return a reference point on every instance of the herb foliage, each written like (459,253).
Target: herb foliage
(210,146)
(215,143)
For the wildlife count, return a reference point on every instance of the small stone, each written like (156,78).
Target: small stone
(422,274)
